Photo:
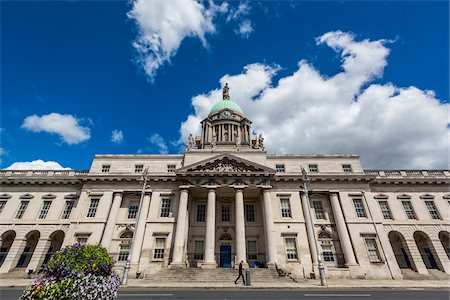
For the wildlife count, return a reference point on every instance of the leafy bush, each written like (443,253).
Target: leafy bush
(76,272)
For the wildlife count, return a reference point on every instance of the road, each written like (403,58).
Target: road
(278,294)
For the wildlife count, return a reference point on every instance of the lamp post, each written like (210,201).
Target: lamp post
(322,274)
(127,265)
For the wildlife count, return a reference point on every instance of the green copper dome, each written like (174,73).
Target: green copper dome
(226,104)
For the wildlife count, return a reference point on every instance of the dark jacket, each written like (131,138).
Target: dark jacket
(240,268)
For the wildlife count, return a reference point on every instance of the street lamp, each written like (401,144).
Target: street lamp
(322,274)
(127,265)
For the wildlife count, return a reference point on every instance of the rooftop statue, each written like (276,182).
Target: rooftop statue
(225,92)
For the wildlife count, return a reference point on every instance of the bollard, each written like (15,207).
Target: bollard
(247,277)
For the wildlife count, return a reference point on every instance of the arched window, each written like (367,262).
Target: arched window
(124,248)
(326,243)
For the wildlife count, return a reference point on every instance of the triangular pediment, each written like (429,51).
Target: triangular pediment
(225,163)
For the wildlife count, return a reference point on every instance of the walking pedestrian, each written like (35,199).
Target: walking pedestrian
(240,273)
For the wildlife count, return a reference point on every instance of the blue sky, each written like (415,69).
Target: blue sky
(71,74)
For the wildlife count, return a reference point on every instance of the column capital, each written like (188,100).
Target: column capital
(264,187)
(239,187)
(333,191)
(185,187)
(211,187)
(119,192)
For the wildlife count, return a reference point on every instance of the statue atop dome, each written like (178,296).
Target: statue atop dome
(225,94)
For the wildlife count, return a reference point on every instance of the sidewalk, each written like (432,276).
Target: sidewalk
(334,283)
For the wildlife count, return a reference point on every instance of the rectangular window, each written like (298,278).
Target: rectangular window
(291,248)
(280,168)
(313,168)
(385,210)
(347,168)
(359,207)
(201,212)
(124,251)
(407,206)
(165,208)
(225,213)
(22,208)
(327,253)
(82,240)
(138,168)
(2,205)
(318,209)
(133,208)
(171,168)
(106,168)
(93,207)
(198,250)
(250,212)
(432,210)
(252,251)
(372,248)
(160,244)
(44,209)
(68,209)
(285,208)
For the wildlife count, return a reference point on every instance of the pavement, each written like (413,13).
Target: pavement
(332,283)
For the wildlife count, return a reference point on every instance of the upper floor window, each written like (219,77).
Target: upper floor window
(432,210)
(133,208)
(106,168)
(385,210)
(201,212)
(347,168)
(359,207)
(171,168)
(291,248)
(409,210)
(160,244)
(138,168)
(372,248)
(313,168)
(250,212)
(2,205)
(165,208)
(93,207)
(22,208)
(285,208)
(280,168)
(318,209)
(68,209)
(226,213)
(44,209)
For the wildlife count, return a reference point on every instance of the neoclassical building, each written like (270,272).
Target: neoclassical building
(225,199)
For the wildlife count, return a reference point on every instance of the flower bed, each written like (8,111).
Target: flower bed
(76,272)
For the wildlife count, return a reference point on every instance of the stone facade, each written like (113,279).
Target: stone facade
(225,200)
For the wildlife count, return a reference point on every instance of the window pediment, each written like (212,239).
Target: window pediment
(71,196)
(26,196)
(48,196)
(381,196)
(427,196)
(5,196)
(404,196)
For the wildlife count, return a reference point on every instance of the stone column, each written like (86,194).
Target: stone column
(344,237)
(269,230)
(210,240)
(112,218)
(138,233)
(13,255)
(240,227)
(39,253)
(309,228)
(179,246)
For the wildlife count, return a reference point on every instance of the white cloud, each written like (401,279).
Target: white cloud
(66,126)
(245,28)
(159,142)
(117,136)
(307,112)
(36,165)
(164,24)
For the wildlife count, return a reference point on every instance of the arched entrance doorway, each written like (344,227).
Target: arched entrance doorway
(401,251)
(225,251)
(7,239)
(426,250)
(444,237)
(56,240)
(32,239)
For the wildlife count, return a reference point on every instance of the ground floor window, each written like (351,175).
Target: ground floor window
(252,251)
(372,248)
(124,251)
(327,253)
(160,244)
(198,250)
(291,248)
